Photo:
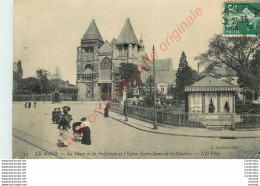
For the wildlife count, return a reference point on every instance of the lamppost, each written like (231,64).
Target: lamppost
(126,115)
(154,94)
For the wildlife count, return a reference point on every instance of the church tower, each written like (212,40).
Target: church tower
(87,63)
(98,61)
(127,47)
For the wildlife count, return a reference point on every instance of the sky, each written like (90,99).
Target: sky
(48,32)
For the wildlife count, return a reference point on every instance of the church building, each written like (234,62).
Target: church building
(98,60)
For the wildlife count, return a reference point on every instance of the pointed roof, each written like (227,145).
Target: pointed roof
(106,48)
(113,42)
(163,70)
(211,84)
(92,32)
(127,34)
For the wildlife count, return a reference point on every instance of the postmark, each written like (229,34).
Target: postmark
(241,18)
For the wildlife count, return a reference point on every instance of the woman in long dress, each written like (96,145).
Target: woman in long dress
(85,129)
(106,111)
(64,125)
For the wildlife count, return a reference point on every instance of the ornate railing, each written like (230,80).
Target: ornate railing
(180,118)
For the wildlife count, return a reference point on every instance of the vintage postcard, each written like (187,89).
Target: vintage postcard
(157,79)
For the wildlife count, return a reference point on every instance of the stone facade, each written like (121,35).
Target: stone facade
(97,60)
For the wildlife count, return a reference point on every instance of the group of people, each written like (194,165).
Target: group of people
(28,104)
(81,130)
(56,114)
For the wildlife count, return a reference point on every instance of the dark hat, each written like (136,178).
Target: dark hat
(66,108)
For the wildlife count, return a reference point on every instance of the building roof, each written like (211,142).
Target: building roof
(210,84)
(106,48)
(127,34)
(92,32)
(163,71)
(164,64)
(113,42)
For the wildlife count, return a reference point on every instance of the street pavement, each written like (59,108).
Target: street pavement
(34,136)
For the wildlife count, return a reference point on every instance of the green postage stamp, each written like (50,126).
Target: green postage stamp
(241,18)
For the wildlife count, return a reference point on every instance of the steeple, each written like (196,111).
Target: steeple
(92,33)
(127,34)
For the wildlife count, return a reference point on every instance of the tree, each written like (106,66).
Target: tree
(238,53)
(131,72)
(19,70)
(17,74)
(172,91)
(43,77)
(57,74)
(29,86)
(149,89)
(56,78)
(185,76)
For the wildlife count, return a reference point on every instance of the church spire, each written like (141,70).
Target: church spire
(92,33)
(127,34)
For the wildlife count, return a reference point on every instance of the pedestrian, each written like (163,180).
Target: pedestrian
(34,104)
(64,125)
(106,111)
(58,115)
(29,105)
(25,105)
(85,129)
(54,116)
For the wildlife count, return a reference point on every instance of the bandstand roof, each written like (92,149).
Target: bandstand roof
(210,84)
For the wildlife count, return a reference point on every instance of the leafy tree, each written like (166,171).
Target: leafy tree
(238,53)
(149,89)
(129,71)
(29,86)
(17,74)
(43,77)
(185,76)
(19,70)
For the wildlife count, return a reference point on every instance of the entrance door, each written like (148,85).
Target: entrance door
(105,90)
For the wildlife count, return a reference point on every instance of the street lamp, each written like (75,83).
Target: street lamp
(154,94)
(126,115)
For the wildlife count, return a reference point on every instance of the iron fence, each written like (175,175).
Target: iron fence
(178,117)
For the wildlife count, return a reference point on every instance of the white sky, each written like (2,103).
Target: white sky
(48,32)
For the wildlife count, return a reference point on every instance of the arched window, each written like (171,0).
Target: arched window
(88,69)
(105,69)
(106,63)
